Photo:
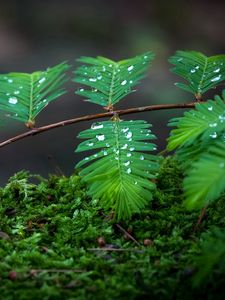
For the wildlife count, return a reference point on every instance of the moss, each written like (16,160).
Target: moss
(49,248)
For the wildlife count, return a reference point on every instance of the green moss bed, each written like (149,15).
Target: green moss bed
(57,243)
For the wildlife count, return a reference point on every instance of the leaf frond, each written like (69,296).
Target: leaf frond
(205,123)
(120,172)
(201,72)
(206,179)
(23,96)
(108,81)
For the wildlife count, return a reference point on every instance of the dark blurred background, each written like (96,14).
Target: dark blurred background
(37,34)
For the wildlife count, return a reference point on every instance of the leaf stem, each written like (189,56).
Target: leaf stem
(38,130)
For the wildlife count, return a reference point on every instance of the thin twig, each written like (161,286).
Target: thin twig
(115,249)
(39,130)
(127,233)
(200,218)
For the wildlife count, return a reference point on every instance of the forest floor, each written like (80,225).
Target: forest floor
(57,243)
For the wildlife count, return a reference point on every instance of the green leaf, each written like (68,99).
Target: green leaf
(120,173)
(201,72)
(23,96)
(206,179)
(205,122)
(109,81)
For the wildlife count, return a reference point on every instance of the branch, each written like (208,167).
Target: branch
(121,112)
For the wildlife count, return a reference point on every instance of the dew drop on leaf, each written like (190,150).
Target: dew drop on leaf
(13,100)
(130,68)
(216,78)
(127,163)
(212,124)
(129,135)
(100,137)
(123,82)
(213,135)
(124,147)
(93,79)
(42,80)
(125,129)
(129,171)
(210,108)
(96,126)
(217,70)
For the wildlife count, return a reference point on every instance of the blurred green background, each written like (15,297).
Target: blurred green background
(38,34)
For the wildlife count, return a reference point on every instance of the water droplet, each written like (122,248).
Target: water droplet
(123,82)
(42,80)
(130,68)
(10,80)
(180,59)
(13,100)
(96,126)
(81,90)
(16,92)
(103,68)
(154,148)
(132,149)
(21,87)
(99,77)
(213,135)
(135,182)
(197,67)
(105,153)
(95,155)
(146,56)
(131,81)
(107,145)
(124,147)
(210,108)
(222,118)
(90,144)
(217,70)
(125,129)
(212,124)
(86,158)
(127,163)
(216,78)
(142,157)
(93,79)
(129,135)
(110,65)
(193,71)
(128,154)
(128,170)
(100,137)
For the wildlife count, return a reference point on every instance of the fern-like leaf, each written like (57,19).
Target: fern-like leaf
(206,179)
(201,72)
(23,96)
(205,122)
(120,173)
(109,81)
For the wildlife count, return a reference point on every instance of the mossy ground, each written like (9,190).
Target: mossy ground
(49,246)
